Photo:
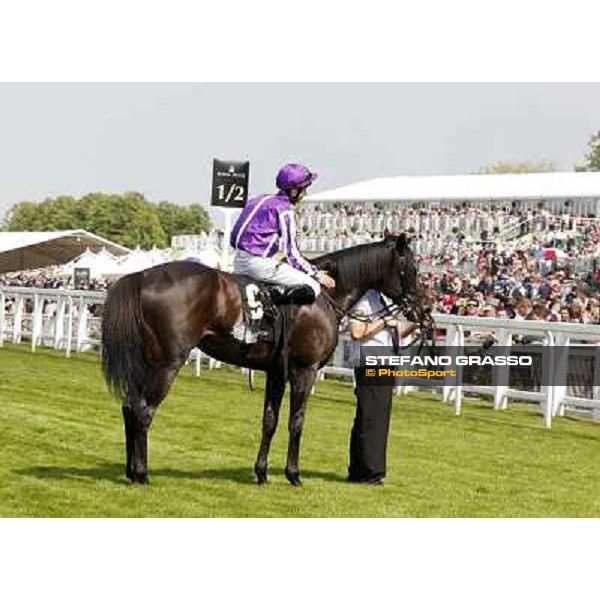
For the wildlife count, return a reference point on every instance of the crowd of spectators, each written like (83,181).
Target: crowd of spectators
(550,275)
(559,296)
(49,278)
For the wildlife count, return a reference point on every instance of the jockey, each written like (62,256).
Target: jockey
(268,221)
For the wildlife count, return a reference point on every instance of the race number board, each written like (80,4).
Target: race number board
(81,278)
(230,183)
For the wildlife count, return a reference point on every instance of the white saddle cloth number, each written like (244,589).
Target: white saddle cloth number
(254,304)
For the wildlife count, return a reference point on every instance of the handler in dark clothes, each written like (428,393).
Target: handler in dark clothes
(368,440)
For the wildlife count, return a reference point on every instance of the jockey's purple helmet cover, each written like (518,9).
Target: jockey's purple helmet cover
(293,175)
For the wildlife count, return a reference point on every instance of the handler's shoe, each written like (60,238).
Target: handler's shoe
(372,480)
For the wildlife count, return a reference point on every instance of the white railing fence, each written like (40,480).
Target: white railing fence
(553,400)
(61,319)
(70,319)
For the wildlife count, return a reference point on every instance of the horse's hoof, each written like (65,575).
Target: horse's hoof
(261,476)
(293,477)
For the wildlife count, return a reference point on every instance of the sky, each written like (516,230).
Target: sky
(160,139)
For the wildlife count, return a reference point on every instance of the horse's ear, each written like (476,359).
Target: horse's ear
(389,239)
(402,243)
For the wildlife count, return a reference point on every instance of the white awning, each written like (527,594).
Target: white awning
(23,250)
(474,188)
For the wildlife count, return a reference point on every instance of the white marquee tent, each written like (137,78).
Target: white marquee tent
(23,250)
(99,263)
(138,260)
(210,256)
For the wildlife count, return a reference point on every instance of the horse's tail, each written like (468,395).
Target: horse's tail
(124,362)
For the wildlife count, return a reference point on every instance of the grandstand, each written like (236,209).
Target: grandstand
(477,207)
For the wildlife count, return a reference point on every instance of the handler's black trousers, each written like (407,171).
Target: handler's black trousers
(368,440)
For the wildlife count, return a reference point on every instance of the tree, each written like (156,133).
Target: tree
(171,217)
(181,220)
(128,219)
(61,213)
(25,216)
(527,166)
(199,219)
(592,158)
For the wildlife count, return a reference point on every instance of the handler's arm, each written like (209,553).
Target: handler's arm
(363,331)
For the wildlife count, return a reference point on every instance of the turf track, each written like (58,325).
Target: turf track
(62,452)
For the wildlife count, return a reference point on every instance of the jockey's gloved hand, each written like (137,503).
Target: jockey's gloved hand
(325,279)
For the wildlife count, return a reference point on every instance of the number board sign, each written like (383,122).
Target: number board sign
(230,183)
(81,278)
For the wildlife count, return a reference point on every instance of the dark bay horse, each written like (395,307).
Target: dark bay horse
(154,318)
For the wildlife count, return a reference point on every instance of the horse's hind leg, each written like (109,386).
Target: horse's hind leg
(138,414)
(301,382)
(275,388)
(128,422)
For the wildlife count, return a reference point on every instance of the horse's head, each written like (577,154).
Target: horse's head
(400,277)
(401,281)
(387,266)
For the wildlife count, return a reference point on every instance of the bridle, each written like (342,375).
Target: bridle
(408,305)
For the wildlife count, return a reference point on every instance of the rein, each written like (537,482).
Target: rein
(407,305)
(389,310)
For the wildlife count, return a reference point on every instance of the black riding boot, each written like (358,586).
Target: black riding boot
(301,294)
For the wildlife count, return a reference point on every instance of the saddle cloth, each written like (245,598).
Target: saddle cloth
(260,319)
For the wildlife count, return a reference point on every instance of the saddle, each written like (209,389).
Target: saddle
(262,314)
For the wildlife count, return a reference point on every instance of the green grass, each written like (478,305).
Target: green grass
(62,452)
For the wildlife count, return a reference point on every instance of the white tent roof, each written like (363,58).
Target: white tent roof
(99,263)
(22,250)
(439,188)
(210,257)
(157,256)
(138,260)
